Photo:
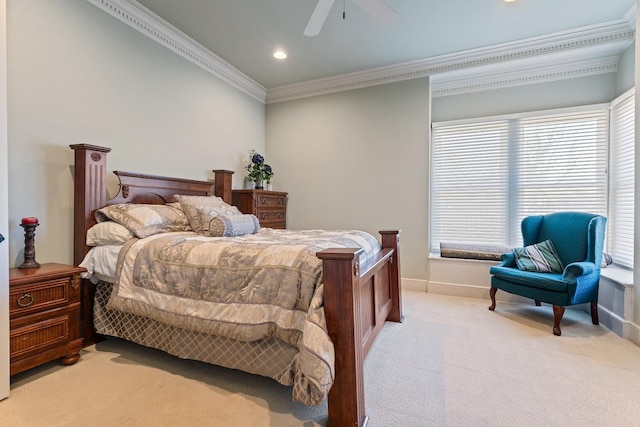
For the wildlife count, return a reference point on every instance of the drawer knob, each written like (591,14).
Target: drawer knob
(264,216)
(279,215)
(279,201)
(264,200)
(25,300)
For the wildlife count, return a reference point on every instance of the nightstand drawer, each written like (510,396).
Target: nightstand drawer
(271,201)
(39,296)
(44,315)
(38,336)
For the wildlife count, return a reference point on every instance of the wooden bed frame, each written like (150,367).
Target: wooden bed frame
(358,298)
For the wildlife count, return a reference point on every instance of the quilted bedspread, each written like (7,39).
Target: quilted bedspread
(247,288)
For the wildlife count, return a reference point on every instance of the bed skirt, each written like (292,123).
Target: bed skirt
(270,357)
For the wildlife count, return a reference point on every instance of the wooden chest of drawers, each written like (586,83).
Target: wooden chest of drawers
(44,313)
(269,206)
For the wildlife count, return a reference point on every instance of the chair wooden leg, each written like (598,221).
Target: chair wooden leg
(594,312)
(537,301)
(492,294)
(558,312)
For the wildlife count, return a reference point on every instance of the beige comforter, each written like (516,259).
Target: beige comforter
(247,288)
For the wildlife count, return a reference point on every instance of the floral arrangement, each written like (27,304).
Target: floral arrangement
(257,169)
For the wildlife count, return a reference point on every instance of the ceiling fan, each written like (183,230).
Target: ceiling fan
(378,9)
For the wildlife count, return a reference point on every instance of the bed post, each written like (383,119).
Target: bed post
(222,184)
(90,189)
(358,299)
(340,271)
(90,193)
(391,239)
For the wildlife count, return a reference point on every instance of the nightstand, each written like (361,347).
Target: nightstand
(44,315)
(269,206)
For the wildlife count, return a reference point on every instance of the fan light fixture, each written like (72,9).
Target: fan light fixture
(378,9)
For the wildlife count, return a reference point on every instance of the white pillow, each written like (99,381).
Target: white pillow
(108,233)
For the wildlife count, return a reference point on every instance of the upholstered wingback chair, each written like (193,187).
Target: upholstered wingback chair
(574,256)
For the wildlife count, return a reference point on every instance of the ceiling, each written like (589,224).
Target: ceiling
(245,33)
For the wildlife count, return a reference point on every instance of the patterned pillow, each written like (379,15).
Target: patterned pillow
(235,225)
(541,257)
(145,220)
(209,204)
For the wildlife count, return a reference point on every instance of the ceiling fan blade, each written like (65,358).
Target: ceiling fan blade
(318,17)
(379,10)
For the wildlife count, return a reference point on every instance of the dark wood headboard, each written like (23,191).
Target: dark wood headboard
(90,190)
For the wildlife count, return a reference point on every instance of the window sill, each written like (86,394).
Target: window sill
(436,257)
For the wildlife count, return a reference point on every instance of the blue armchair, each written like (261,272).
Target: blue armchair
(578,239)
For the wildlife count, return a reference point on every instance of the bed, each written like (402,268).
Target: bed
(360,291)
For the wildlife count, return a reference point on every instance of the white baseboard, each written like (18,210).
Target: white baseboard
(612,321)
(472,291)
(458,290)
(631,332)
(414,284)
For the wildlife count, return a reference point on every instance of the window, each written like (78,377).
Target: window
(621,180)
(488,174)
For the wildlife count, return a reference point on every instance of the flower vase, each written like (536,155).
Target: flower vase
(259,185)
(269,187)
(248,183)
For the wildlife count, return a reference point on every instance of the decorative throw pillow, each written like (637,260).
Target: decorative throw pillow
(108,233)
(209,204)
(541,257)
(145,220)
(235,225)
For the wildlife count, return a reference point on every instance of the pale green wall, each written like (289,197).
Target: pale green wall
(625,78)
(532,97)
(78,75)
(357,159)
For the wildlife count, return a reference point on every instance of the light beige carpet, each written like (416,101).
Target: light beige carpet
(451,363)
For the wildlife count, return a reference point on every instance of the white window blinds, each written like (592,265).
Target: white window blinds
(469,190)
(620,227)
(486,176)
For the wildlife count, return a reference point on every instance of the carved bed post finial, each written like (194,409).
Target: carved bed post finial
(90,167)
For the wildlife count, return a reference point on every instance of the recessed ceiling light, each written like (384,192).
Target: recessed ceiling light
(509,1)
(280,54)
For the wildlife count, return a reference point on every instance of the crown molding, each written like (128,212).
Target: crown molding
(151,25)
(630,16)
(617,32)
(523,76)
(493,67)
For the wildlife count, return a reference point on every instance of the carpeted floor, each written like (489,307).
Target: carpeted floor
(451,363)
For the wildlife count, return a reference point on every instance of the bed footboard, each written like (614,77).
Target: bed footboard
(369,294)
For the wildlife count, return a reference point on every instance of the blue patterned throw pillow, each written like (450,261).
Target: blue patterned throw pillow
(234,225)
(541,257)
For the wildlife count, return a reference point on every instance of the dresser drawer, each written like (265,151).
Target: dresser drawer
(269,216)
(270,201)
(269,206)
(45,295)
(38,336)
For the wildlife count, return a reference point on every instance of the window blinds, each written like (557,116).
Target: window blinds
(486,176)
(620,227)
(469,183)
